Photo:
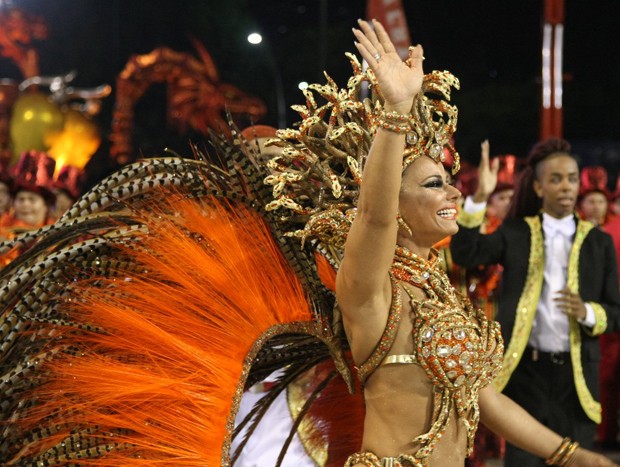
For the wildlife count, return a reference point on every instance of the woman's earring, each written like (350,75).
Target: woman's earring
(403,225)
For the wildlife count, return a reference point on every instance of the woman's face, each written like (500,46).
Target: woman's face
(428,203)
(30,208)
(594,207)
(499,203)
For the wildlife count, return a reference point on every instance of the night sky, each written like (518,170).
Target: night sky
(492,46)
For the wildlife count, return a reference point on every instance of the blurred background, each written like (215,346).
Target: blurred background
(493,47)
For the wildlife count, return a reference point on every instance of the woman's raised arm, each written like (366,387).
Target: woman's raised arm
(369,250)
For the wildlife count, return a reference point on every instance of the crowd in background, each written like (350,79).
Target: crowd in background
(596,203)
(32,196)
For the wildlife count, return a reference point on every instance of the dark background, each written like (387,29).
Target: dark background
(492,46)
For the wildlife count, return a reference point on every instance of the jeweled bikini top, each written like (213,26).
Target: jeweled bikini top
(459,349)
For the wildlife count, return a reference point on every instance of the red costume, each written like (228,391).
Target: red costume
(594,180)
(610,367)
(33,172)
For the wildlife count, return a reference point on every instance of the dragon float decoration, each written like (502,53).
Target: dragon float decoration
(197,98)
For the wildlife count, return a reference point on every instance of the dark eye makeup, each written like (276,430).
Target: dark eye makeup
(434,183)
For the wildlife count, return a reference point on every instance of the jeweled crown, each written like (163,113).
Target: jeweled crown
(317,176)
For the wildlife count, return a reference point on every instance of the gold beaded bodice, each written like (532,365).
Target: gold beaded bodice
(458,348)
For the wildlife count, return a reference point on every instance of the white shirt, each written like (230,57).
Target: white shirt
(263,447)
(550,329)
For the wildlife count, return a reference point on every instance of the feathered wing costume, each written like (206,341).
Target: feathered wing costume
(131,327)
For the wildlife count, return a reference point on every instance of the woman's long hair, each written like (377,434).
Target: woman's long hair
(525,202)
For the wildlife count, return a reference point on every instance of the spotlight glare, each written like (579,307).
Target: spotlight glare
(255,38)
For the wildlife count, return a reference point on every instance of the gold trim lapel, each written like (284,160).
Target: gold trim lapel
(591,407)
(528,302)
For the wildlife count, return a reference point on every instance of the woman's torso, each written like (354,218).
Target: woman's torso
(404,401)
(399,406)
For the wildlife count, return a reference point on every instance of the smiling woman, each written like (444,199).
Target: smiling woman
(144,313)
(447,353)
(425,187)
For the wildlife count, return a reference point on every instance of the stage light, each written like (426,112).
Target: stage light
(255,38)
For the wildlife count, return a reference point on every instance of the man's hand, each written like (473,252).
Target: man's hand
(571,304)
(487,174)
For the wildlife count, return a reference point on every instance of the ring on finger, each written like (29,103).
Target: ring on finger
(377,56)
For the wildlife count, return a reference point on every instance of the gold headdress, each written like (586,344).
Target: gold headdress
(317,176)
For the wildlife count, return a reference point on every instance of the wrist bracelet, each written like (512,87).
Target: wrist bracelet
(394,121)
(564,453)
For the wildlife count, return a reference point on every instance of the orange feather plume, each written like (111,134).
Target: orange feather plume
(160,381)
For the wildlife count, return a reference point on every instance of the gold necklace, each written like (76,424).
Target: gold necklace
(422,273)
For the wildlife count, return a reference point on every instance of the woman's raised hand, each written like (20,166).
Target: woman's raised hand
(399,81)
